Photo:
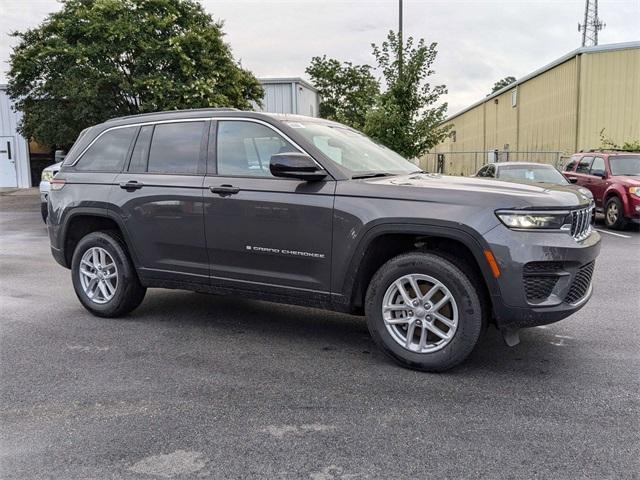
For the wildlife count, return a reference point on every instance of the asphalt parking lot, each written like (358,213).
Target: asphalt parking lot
(196,386)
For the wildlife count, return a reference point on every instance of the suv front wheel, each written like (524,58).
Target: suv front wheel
(104,277)
(614,214)
(424,312)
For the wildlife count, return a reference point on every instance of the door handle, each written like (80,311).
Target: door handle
(9,150)
(131,185)
(223,190)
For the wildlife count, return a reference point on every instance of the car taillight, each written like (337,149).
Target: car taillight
(57,184)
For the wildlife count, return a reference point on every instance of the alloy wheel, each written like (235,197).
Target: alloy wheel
(612,213)
(98,275)
(420,313)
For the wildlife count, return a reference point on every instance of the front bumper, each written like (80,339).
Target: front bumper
(545,276)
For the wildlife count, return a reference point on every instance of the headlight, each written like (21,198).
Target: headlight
(47,175)
(635,191)
(534,220)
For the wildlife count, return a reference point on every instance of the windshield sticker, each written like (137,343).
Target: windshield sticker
(295,125)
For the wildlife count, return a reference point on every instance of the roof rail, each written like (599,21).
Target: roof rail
(148,114)
(607,150)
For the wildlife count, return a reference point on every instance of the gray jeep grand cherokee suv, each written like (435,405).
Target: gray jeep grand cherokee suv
(306,211)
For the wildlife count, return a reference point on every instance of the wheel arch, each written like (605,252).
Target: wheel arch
(383,242)
(81,222)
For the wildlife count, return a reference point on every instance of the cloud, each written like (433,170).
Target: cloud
(479,41)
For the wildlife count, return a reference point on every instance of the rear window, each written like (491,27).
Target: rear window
(573,161)
(175,148)
(108,152)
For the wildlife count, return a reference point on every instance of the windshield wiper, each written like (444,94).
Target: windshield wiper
(372,175)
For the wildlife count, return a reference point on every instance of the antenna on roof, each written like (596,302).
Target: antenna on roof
(592,24)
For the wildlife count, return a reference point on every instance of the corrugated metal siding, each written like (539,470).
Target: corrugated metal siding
(609,97)
(8,128)
(562,109)
(307,101)
(277,98)
(548,109)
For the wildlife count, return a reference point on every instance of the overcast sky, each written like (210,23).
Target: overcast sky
(479,41)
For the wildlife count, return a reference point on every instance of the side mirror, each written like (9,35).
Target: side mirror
(295,165)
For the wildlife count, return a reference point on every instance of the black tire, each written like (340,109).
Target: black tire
(465,291)
(614,214)
(44,211)
(129,292)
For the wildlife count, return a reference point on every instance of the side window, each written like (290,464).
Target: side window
(573,161)
(483,171)
(491,171)
(597,167)
(140,153)
(245,148)
(108,152)
(175,148)
(584,165)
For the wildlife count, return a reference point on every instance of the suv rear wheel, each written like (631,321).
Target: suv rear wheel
(104,277)
(614,214)
(424,312)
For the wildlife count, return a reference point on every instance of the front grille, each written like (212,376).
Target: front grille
(580,285)
(538,288)
(581,223)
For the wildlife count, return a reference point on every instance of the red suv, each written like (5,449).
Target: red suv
(614,180)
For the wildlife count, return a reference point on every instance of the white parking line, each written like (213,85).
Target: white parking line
(613,233)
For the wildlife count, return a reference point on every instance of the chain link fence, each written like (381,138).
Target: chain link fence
(468,163)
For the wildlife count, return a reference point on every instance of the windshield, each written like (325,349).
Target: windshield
(625,165)
(531,174)
(352,150)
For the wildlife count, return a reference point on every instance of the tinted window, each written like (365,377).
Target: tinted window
(491,171)
(108,152)
(245,148)
(141,150)
(573,161)
(597,167)
(483,171)
(175,148)
(584,165)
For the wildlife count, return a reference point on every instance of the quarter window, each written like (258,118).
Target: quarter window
(245,148)
(108,152)
(584,165)
(175,147)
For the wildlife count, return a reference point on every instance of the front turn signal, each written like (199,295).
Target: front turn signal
(491,260)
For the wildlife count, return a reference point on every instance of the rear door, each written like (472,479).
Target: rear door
(595,180)
(160,202)
(263,232)
(582,170)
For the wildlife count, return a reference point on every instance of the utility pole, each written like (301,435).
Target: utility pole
(400,42)
(592,24)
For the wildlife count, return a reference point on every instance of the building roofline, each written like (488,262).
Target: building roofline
(579,51)
(276,80)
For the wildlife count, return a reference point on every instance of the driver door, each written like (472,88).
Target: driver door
(264,232)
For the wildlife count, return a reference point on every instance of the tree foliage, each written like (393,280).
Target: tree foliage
(97,59)
(407,116)
(347,91)
(500,84)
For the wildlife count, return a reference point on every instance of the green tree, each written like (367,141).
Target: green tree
(97,59)
(407,116)
(347,91)
(500,84)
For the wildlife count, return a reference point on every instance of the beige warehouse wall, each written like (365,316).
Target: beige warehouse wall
(548,106)
(609,97)
(501,123)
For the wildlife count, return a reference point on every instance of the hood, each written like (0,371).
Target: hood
(627,180)
(431,187)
